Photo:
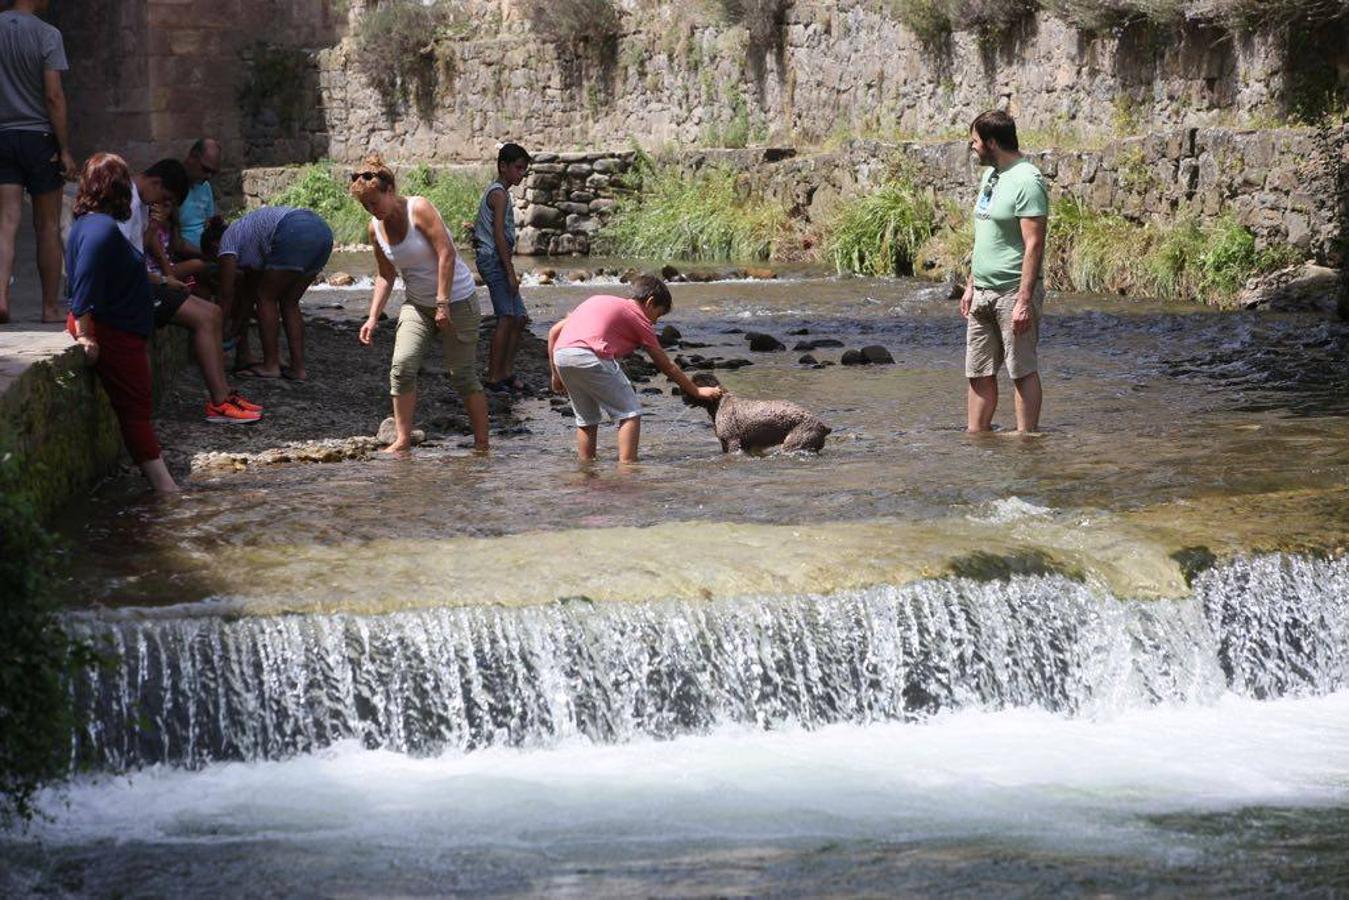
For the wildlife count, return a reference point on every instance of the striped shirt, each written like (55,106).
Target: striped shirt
(250,237)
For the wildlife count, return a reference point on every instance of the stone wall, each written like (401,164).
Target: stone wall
(837,68)
(1288,186)
(567,198)
(56,418)
(148,77)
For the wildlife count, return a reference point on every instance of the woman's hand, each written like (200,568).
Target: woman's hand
(443,322)
(90,348)
(368,331)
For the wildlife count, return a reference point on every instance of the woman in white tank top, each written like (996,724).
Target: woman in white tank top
(440,305)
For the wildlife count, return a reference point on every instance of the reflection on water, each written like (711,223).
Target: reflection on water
(1176,426)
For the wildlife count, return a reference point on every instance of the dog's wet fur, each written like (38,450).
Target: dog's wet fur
(754,426)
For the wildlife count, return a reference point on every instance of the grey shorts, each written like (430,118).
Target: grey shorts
(990,341)
(596,387)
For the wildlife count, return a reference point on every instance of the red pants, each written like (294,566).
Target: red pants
(124,369)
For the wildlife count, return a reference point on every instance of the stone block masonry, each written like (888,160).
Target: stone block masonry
(567,198)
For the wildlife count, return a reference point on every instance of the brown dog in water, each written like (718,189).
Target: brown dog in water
(758,425)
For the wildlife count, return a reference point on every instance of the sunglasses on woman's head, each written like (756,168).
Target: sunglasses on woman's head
(365,176)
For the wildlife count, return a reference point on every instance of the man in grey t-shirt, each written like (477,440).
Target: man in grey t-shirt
(34,145)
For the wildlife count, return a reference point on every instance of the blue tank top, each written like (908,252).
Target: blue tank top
(483,236)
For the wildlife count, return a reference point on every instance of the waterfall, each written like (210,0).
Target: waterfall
(189,690)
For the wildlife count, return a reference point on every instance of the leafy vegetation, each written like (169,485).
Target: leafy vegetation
(762,19)
(693,217)
(37,657)
(881,232)
(570,22)
(400,49)
(325,192)
(933,20)
(1185,259)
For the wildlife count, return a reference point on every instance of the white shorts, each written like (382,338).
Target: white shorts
(596,386)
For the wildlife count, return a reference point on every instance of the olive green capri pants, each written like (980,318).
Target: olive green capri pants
(416,333)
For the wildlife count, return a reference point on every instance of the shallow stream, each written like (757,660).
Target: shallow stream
(1112,657)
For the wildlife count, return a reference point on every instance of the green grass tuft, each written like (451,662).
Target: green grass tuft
(702,217)
(881,232)
(1185,259)
(319,189)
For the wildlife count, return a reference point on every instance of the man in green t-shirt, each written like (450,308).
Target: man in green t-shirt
(1004,295)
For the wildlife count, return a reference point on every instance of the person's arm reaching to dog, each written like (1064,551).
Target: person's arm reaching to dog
(671,371)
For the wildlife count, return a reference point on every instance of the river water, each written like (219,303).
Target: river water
(1110,658)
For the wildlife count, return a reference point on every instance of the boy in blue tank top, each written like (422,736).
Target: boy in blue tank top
(494,238)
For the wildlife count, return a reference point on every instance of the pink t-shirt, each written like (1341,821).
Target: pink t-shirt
(610,327)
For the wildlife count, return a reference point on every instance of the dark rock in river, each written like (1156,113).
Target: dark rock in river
(854,358)
(651,390)
(764,343)
(808,360)
(669,272)
(826,342)
(804,345)
(877,355)
(795,332)
(669,336)
(734,363)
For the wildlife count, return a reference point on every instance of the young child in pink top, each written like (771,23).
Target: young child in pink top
(584,348)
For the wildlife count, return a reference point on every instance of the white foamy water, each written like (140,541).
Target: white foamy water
(1071,784)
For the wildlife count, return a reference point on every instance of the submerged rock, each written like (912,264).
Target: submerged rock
(854,358)
(764,343)
(877,355)
(341,279)
(808,360)
(669,336)
(760,274)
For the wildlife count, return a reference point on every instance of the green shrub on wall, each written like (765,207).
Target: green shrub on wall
(572,21)
(401,50)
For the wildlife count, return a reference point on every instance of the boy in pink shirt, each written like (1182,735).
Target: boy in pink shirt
(584,348)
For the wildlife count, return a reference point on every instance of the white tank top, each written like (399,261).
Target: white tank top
(415,259)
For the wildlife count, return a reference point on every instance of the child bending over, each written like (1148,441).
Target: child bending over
(583,350)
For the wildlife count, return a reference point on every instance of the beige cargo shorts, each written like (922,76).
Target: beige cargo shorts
(989,340)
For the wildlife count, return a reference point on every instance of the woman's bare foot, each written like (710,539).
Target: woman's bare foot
(398,447)
(52,315)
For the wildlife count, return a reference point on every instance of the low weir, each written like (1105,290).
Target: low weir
(187,690)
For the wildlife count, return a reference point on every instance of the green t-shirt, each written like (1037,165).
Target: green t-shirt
(1018,193)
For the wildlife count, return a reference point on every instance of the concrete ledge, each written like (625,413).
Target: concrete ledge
(56,417)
